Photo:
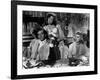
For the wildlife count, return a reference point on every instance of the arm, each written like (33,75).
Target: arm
(60,32)
(70,51)
(55,32)
(34,48)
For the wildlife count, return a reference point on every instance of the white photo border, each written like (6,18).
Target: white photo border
(22,71)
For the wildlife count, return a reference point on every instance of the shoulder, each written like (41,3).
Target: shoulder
(73,44)
(83,45)
(34,40)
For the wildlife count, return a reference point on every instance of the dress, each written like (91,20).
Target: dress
(53,34)
(39,49)
(56,31)
(78,50)
(64,51)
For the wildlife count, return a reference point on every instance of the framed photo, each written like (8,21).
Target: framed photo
(53,39)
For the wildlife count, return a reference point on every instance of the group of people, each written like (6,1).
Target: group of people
(48,46)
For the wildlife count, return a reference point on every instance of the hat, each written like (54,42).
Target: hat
(51,14)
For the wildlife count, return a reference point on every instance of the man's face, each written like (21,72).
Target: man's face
(41,35)
(50,19)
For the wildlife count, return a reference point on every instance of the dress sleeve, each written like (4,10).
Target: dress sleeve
(85,50)
(70,50)
(60,32)
(54,32)
(45,28)
(31,43)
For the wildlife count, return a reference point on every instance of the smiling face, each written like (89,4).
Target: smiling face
(50,19)
(41,35)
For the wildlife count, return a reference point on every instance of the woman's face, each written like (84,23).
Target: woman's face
(50,19)
(41,35)
(78,37)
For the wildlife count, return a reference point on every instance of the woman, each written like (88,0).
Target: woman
(78,50)
(55,35)
(52,27)
(38,48)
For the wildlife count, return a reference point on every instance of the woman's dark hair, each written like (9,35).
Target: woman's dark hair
(86,38)
(35,33)
(48,16)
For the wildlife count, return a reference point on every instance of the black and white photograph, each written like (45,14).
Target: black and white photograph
(53,40)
